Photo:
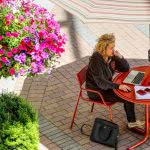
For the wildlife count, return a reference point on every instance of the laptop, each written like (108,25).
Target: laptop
(134,77)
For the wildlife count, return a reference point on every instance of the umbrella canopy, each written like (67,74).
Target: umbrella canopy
(119,11)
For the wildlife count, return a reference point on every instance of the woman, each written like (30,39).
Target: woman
(103,63)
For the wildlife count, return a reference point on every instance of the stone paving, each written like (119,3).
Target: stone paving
(54,97)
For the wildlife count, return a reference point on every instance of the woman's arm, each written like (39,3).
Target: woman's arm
(96,69)
(104,84)
(121,64)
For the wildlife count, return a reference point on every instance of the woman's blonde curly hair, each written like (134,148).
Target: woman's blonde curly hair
(103,42)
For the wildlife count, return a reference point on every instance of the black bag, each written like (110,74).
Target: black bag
(104,132)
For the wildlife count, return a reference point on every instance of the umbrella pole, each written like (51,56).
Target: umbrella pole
(149,35)
(149,45)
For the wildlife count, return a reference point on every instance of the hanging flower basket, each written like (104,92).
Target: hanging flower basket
(30,39)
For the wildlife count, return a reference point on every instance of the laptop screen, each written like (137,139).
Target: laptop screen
(134,77)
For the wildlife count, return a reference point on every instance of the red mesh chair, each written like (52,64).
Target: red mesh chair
(81,79)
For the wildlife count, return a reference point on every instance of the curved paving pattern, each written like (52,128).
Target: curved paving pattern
(137,11)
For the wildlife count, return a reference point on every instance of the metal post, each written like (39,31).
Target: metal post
(149,35)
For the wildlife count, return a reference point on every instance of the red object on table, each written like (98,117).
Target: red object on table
(141,92)
(130,96)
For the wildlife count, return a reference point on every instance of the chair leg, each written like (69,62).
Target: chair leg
(92,107)
(75,110)
(110,114)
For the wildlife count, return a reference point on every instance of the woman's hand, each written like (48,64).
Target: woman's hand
(116,53)
(124,88)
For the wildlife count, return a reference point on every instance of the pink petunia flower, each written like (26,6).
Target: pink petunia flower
(28,14)
(34,70)
(33,64)
(1,51)
(4,59)
(21,18)
(1,38)
(22,47)
(26,28)
(8,34)
(9,54)
(14,50)
(60,50)
(33,26)
(12,71)
(37,13)
(42,68)
(21,72)
(32,30)
(15,34)
(9,17)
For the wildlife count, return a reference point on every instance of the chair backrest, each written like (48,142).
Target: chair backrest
(81,75)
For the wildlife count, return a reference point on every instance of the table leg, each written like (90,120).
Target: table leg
(149,116)
(146,129)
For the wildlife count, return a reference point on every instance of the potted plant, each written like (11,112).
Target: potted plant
(18,124)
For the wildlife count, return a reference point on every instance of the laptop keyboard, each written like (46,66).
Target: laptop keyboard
(138,78)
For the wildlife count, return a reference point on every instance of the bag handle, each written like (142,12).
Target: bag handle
(106,132)
(81,129)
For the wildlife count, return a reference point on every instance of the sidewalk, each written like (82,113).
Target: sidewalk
(55,96)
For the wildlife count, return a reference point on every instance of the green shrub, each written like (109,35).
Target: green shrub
(18,124)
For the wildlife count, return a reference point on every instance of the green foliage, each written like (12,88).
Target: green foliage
(18,124)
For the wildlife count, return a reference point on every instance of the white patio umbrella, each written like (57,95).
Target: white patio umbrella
(114,11)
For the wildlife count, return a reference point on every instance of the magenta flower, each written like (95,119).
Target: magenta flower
(34,67)
(33,64)
(27,14)
(1,38)
(9,54)
(41,68)
(3,59)
(12,71)
(1,51)
(37,13)
(8,34)
(32,30)
(21,18)
(45,55)
(22,47)
(14,50)
(60,50)
(37,58)
(14,34)
(35,70)
(21,72)
(26,28)
(9,17)
(33,26)
(43,46)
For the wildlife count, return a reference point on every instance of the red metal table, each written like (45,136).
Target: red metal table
(130,96)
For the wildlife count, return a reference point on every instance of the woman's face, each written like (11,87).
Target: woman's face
(110,50)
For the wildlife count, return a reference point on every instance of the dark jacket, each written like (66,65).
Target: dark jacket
(99,73)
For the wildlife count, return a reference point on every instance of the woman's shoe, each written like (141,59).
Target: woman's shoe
(137,124)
